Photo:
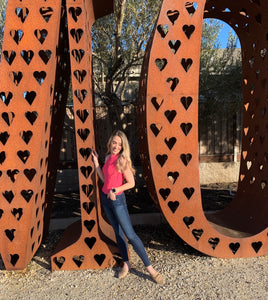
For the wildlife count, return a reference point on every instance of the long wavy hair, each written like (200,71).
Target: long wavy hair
(124,157)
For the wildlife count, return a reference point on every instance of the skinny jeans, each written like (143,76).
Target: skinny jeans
(117,213)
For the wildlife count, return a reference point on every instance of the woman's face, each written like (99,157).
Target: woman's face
(116,145)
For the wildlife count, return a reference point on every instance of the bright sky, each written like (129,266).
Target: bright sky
(224,35)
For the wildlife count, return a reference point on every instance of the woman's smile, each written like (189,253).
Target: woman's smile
(116,145)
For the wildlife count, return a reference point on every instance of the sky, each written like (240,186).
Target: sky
(223,37)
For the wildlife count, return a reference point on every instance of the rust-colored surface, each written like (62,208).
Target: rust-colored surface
(27,74)
(82,246)
(169,140)
(35,72)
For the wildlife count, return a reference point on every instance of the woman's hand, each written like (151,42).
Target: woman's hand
(111,195)
(95,158)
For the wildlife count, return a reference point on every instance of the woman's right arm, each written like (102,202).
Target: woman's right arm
(95,159)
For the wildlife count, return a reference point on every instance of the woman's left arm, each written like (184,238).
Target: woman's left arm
(129,184)
(130,181)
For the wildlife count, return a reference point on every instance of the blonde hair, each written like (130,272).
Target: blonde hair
(124,158)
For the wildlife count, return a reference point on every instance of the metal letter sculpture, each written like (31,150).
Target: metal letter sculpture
(31,100)
(169,108)
(40,53)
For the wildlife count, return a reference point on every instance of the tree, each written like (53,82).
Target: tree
(220,70)
(119,42)
(2,21)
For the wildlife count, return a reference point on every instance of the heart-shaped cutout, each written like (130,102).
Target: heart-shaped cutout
(2,157)
(191,7)
(186,158)
(9,196)
(87,189)
(29,173)
(31,116)
(163,30)
(8,117)
(173,205)
(10,233)
(45,55)
(170,115)
(27,56)
(164,193)
(80,75)
(186,128)
(197,233)
(234,247)
(41,35)
(174,82)
(89,225)
(22,13)
(14,259)
(6,97)
(16,77)
(78,54)
(46,13)
(86,171)
(99,258)
(17,35)
(173,176)
(4,137)
(76,34)
(75,12)
(170,142)
(90,242)
(83,133)
(40,76)
(173,16)
(156,128)
(88,206)
(17,213)
(29,96)
(161,63)
(157,103)
(188,192)
(174,45)
(78,260)
(161,159)
(9,56)
(186,63)
(213,242)
(59,261)
(188,30)
(80,95)
(186,102)
(82,114)
(188,221)
(256,246)
(27,195)
(85,152)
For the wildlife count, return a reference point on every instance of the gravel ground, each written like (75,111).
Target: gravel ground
(188,274)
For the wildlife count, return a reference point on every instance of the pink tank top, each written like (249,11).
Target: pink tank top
(112,178)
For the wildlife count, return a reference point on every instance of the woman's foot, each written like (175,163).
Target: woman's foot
(156,276)
(124,271)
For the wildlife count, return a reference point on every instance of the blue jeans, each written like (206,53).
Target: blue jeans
(117,213)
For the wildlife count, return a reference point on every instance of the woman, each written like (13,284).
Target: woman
(118,176)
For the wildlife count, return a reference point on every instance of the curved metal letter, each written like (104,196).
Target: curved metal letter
(169,108)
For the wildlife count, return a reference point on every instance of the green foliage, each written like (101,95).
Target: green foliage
(2,21)
(119,42)
(220,86)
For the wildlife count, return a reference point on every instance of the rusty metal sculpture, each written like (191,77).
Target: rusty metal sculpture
(35,53)
(37,63)
(169,108)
